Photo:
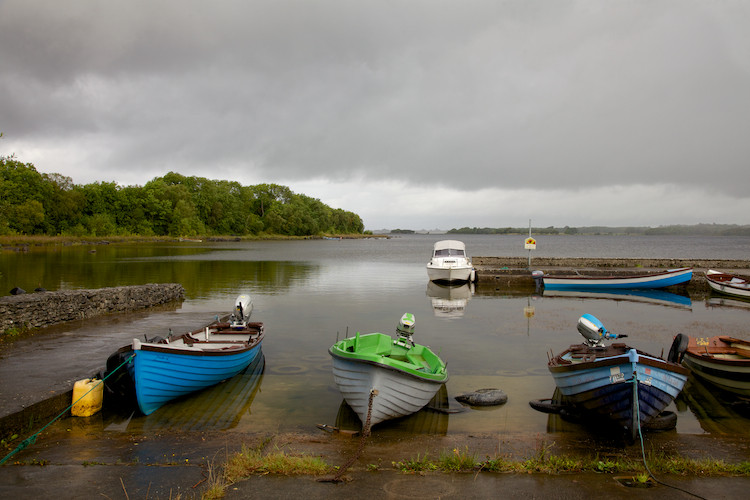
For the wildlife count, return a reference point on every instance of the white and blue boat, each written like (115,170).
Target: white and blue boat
(616,382)
(163,369)
(578,281)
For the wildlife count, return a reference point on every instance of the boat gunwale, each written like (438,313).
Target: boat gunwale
(744,287)
(668,272)
(255,332)
(707,353)
(436,378)
(558,365)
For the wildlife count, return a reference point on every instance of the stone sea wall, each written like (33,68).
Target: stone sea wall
(34,310)
(513,272)
(593,263)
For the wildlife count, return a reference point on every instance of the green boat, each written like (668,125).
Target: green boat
(402,376)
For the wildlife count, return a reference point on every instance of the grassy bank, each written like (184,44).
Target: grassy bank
(40,240)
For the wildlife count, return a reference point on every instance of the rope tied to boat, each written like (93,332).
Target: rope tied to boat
(637,409)
(365,433)
(32,439)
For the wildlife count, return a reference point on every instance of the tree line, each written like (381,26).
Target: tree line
(32,202)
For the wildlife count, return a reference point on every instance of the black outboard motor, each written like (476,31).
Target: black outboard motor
(538,279)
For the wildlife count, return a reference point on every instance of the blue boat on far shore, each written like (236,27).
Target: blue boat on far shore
(618,383)
(162,369)
(631,281)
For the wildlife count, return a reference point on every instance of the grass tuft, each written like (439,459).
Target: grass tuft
(252,461)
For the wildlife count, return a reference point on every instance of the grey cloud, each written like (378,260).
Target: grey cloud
(464,94)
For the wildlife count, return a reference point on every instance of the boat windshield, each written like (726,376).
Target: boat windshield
(449,252)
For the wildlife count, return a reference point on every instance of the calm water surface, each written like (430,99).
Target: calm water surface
(309,293)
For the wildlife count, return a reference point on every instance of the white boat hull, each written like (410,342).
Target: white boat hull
(729,286)
(398,394)
(449,273)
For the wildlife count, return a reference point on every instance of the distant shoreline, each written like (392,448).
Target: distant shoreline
(9,241)
(672,230)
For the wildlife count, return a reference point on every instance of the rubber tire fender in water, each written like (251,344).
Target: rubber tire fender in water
(664,421)
(679,346)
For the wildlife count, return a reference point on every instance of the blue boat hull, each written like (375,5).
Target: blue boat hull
(160,377)
(605,386)
(641,282)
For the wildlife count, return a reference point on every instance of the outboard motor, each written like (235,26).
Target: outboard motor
(593,331)
(405,328)
(538,279)
(243,307)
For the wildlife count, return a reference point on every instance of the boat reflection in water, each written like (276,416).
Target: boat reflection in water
(432,419)
(718,412)
(655,297)
(219,407)
(449,301)
(722,301)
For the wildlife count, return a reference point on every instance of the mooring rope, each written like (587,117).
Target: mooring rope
(365,433)
(643,448)
(32,439)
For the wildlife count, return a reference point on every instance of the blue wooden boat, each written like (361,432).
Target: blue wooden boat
(217,408)
(163,369)
(616,382)
(579,281)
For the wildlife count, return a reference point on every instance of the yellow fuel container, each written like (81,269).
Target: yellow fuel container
(89,403)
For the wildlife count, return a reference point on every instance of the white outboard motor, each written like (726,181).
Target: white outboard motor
(243,307)
(593,331)
(405,328)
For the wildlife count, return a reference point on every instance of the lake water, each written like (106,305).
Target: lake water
(309,293)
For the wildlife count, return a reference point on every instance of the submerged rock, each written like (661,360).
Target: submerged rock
(483,397)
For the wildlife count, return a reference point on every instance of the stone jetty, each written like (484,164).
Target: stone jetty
(515,272)
(34,310)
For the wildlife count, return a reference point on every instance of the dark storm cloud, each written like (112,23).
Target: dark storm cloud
(514,94)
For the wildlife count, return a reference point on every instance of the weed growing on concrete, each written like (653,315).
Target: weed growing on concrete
(543,462)
(458,461)
(251,461)
(419,464)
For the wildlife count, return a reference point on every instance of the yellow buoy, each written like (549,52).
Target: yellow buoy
(90,402)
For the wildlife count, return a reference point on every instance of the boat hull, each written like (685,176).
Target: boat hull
(604,386)
(398,393)
(716,360)
(643,281)
(728,284)
(160,377)
(449,273)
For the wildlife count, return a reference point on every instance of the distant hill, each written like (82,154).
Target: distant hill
(696,229)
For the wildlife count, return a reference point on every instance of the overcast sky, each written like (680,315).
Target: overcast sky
(413,114)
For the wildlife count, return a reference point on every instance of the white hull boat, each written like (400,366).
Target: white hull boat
(400,376)
(728,284)
(449,263)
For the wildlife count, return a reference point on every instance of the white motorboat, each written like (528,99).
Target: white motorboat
(449,263)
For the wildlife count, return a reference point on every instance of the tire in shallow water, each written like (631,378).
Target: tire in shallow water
(678,348)
(664,421)
(546,405)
